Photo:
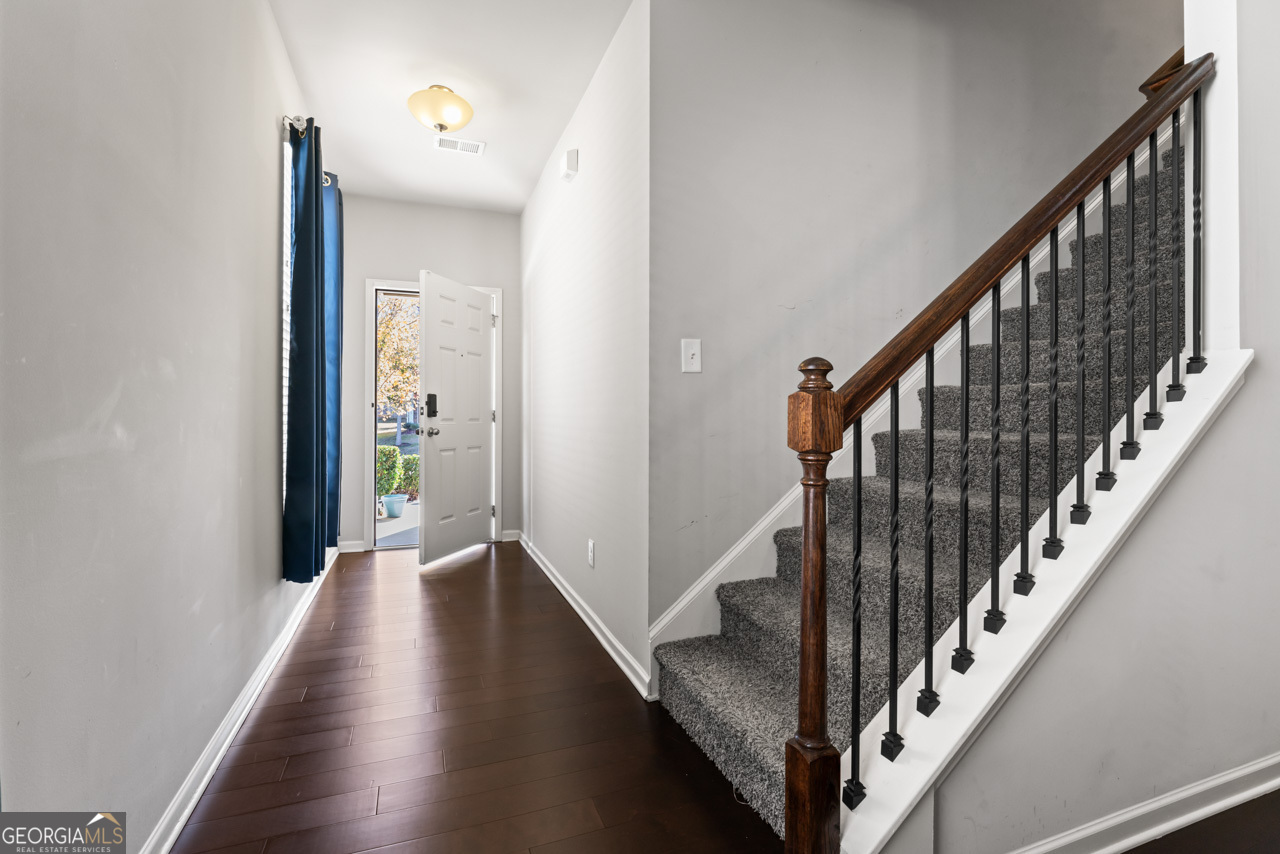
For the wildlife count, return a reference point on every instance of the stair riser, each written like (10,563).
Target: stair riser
(780,647)
(1094,310)
(946,407)
(763,786)
(946,525)
(947,464)
(1095,265)
(1011,359)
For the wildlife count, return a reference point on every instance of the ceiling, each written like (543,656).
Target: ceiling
(523,65)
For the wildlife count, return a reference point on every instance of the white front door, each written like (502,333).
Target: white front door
(456,456)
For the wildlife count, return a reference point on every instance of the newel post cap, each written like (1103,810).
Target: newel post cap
(815,422)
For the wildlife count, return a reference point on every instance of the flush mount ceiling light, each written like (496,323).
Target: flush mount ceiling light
(439,108)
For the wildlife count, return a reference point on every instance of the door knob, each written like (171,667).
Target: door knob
(433,431)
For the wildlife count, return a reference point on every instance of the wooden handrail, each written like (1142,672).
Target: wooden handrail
(1163,74)
(909,345)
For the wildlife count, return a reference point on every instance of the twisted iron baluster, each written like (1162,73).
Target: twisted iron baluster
(1024,580)
(1080,510)
(994,621)
(1197,362)
(927,702)
(962,656)
(854,791)
(1130,447)
(1176,390)
(1153,419)
(1106,478)
(1052,547)
(891,746)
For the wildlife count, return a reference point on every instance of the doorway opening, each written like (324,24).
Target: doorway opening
(434,435)
(396,428)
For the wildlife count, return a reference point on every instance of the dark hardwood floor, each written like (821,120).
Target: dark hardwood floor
(462,709)
(1250,828)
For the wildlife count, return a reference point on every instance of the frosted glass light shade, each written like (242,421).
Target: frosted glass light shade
(440,108)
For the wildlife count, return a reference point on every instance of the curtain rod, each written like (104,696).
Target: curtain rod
(298,122)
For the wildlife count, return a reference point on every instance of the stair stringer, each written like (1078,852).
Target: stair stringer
(934,744)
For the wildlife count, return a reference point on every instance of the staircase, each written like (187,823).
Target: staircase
(942,492)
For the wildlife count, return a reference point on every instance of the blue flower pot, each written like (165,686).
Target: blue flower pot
(394,505)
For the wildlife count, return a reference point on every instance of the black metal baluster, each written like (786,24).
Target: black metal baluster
(962,656)
(1130,447)
(1197,362)
(1052,547)
(854,791)
(1024,580)
(1080,510)
(1153,419)
(927,702)
(1176,390)
(994,620)
(891,746)
(1106,478)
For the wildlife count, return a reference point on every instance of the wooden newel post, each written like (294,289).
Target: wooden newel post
(815,430)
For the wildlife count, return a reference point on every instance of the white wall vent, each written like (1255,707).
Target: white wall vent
(464,146)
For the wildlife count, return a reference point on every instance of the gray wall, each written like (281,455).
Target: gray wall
(821,169)
(585,257)
(394,240)
(140,499)
(1165,674)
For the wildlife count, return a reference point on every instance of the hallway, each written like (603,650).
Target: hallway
(461,708)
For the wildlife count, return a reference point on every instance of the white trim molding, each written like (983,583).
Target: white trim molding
(637,673)
(1166,813)
(175,816)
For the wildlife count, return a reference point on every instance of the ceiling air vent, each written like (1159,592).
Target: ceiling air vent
(464,146)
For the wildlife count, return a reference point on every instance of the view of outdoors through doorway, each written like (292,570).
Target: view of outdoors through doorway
(395,414)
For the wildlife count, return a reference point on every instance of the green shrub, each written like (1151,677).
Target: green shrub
(387,470)
(409,476)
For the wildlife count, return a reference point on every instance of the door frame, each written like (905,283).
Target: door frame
(372,286)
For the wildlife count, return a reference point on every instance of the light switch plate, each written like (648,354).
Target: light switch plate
(690,355)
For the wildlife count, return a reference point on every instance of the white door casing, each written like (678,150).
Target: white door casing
(456,463)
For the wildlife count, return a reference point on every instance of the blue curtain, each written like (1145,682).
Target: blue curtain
(332,353)
(315,358)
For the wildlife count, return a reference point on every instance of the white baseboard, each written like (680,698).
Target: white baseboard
(1162,815)
(348,546)
(638,674)
(511,536)
(166,831)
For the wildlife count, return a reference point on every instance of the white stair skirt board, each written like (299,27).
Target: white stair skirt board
(1000,661)
(1162,815)
(697,611)
(166,831)
(636,672)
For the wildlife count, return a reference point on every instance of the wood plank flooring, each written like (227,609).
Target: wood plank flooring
(465,708)
(1250,828)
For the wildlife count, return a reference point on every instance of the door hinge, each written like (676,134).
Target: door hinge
(495,415)
(493,510)
(493,321)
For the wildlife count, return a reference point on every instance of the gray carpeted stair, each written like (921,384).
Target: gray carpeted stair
(736,692)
